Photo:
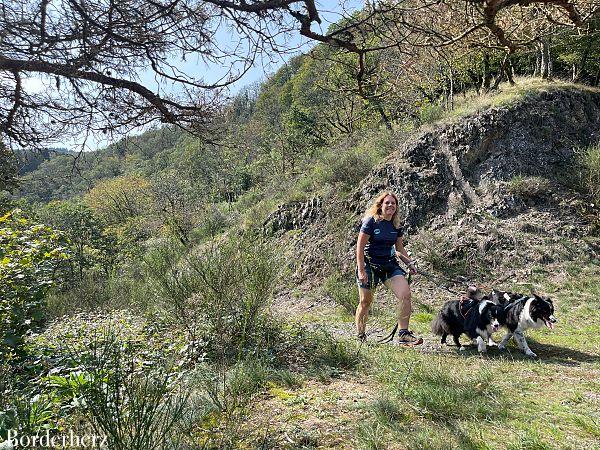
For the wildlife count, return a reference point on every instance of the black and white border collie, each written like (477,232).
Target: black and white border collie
(520,313)
(476,318)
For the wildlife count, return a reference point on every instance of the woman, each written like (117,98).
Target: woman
(379,235)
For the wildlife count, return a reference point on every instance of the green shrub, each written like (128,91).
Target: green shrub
(212,222)
(219,294)
(344,167)
(330,355)
(431,112)
(88,294)
(528,187)
(224,397)
(344,292)
(91,248)
(30,254)
(589,161)
(133,402)
(27,416)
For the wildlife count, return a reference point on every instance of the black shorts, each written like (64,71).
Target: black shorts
(379,272)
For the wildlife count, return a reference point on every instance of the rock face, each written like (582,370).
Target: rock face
(458,166)
(459,178)
(293,216)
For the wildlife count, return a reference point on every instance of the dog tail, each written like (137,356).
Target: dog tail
(438,326)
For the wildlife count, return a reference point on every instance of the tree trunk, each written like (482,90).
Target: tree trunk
(475,79)
(487,77)
(500,75)
(510,71)
(584,59)
(506,68)
(546,61)
(451,96)
(384,117)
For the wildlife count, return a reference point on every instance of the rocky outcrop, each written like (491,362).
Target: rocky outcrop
(455,182)
(293,216)
(454,167)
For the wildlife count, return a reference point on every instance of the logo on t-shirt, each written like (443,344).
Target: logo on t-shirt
(376,231)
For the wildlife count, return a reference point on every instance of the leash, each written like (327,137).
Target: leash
(390,336)
(362,341)
(434,277)
(461,303)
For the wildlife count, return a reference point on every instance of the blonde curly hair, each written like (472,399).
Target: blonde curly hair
(375,210)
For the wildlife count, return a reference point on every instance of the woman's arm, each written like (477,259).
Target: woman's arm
(401,252)
(361,242)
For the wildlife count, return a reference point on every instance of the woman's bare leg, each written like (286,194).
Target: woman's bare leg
(362,310)
(399,286)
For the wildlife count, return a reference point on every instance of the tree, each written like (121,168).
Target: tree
(118,199)
(29,257)
(175,204)
(88,245)
(90,54)
(8,169)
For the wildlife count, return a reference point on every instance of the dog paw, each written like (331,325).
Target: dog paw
(462,348)
(531,354)
(492,344)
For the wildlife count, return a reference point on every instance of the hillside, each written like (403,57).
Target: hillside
(192,287)
(484,190)
(491,198)
(239,312)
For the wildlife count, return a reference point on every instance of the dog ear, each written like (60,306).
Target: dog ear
(544,298)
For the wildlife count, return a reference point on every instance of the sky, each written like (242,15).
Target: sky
(330,12)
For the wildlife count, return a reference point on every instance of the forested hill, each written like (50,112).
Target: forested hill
(225,305)
(176,292)
(482,174)
(309,106)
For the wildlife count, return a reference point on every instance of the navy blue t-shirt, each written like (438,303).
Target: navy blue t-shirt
(382,237)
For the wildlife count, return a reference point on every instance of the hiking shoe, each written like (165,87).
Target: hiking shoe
(361,337)
(408,338)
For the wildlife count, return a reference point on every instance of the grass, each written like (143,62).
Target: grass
(343,291)
(528,187)
(505,96)
(589,162)
(444,399)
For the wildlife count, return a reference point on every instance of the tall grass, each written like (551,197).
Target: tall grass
(135,403)
(589,161)
(343,291)
(218,293)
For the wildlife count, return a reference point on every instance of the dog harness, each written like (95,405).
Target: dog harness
(469,307)
(514,302)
